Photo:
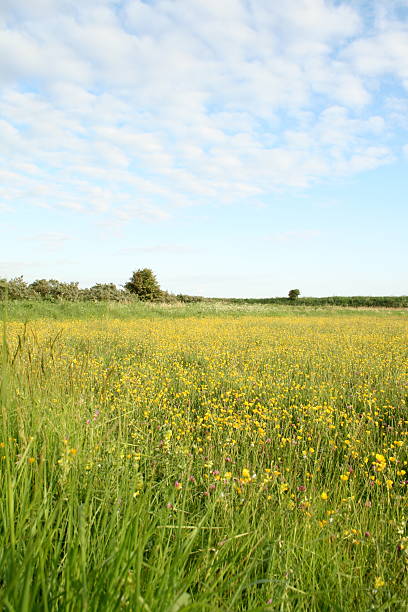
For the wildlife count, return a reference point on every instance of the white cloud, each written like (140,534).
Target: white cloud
(384,53)
(134,110)
(49,241)
(140,210)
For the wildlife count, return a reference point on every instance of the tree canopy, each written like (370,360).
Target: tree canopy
(144,284)
(294,294)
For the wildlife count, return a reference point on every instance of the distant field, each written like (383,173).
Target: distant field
(30,310)
(203,457)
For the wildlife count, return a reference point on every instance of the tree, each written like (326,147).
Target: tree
(294,294)
(144,284)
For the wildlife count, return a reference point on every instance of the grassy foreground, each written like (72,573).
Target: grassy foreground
(200,463)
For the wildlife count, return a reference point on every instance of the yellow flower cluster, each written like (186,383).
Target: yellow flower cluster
(297,409)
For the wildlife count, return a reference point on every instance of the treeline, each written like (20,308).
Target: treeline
(388,301)
(56,291)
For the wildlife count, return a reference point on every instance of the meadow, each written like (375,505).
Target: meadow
(203,458)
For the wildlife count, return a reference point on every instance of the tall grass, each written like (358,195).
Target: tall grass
(239,463)
(27,310)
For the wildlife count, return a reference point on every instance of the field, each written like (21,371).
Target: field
(234,460)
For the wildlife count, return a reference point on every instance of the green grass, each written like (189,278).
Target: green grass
(101,417)
(32,310)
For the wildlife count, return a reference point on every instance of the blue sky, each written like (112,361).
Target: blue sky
(237,148)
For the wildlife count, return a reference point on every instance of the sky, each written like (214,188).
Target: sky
(239,148)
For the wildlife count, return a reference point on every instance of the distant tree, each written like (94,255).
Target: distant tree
(143,283)
(294,294)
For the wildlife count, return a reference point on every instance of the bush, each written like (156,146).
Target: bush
(14,289)
(188,299)
(54,290)
(105,293)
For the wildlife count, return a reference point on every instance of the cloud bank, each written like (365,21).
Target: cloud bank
(134,109)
